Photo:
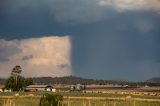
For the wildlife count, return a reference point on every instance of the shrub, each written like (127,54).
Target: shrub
(51,100)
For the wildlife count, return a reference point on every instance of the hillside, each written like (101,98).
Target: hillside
(63,80)
(69,80)
(154,80)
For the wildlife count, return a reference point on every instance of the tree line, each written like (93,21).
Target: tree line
(17,82)
(72,80)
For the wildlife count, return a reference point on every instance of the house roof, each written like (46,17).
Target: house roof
(38,86)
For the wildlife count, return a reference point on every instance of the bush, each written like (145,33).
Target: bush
(51,100)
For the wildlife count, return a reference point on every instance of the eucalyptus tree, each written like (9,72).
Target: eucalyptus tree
(16,81)
(16,72)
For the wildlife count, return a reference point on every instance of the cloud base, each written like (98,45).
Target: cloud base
(46,56)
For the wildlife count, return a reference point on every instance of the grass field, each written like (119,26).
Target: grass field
(81,94)
(79,99)
(29,101)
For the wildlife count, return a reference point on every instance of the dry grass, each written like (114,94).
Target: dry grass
(78,101)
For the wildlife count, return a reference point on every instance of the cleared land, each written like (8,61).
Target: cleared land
(92,96)
(80,99)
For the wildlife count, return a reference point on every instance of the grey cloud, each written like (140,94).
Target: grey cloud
(3,59)
(81,11)
(63,11)
(62,66)
(132,5)
(8,50)
(27,57)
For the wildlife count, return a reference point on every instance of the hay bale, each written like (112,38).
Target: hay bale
(128,97)
(30,95)
(17,94)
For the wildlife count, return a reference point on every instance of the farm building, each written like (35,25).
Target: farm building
(39,88)
(1,88)
(77,87)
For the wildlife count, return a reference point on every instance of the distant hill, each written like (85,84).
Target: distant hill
(154,80)
(69,80)
(63,80)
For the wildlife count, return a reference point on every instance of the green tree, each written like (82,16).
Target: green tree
(9,84)
(28,81)
(16,82)
(51,100)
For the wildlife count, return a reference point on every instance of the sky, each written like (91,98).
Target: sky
(99,39)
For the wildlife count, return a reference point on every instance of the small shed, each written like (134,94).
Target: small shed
(77,87)
(39,88)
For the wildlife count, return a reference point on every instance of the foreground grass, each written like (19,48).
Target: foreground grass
(20,102)
(80,94)
(29,101)
(108,103)
(78,99)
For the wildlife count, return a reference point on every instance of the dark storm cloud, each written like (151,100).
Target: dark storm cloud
(70,11)
(114,39)
(118,49)
(79,11)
